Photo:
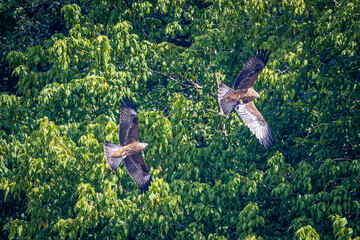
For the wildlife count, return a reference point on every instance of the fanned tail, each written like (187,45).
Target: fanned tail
(225,106)
(109,149)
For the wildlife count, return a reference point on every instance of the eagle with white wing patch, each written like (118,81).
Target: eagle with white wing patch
(129,150)
(241,98)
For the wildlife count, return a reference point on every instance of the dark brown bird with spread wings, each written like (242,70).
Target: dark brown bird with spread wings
(241,97)
(130,148)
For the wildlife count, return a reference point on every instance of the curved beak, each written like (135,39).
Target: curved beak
(254,93)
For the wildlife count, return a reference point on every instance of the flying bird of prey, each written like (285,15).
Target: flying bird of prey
(241,98)
(130,148)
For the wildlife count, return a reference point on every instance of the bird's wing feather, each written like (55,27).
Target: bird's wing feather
(139,171)
(129,122)
(256,122)
(248,74)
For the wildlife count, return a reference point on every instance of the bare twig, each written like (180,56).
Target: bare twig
(95,109)
(193,84)
(218,84)
(189,81)
(284,71)
(342,159)
(146,35)
(338,160)
(221,112)
(161,74)
(180,225)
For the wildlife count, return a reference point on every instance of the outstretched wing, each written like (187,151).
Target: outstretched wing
(129,122)
(256,122)
(252,68)
(139,171)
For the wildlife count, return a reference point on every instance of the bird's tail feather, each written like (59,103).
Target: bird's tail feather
(225,106)
(109,149)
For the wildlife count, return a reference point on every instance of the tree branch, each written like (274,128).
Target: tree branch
(180,225)
(338,160)
(342,159)
(221,112)
(189,81)
(162,74)
(193,84)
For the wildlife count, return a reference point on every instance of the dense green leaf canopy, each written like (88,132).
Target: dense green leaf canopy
(212,178)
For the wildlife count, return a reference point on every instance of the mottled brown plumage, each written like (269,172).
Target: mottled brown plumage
(241,98)
(129,123)
(252,68)
(130,148)
(242,95)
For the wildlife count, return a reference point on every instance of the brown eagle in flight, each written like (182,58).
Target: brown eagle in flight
(130,148)
(241,97)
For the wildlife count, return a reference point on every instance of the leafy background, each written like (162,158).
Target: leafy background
(66,65)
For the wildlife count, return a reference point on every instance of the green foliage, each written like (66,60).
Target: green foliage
(340,231)
(307,232)
(212,178)
(24,24)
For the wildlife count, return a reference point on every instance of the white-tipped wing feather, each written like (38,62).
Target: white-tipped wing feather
(257,124)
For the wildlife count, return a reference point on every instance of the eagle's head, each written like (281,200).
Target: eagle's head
(143,145)
(253,93)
